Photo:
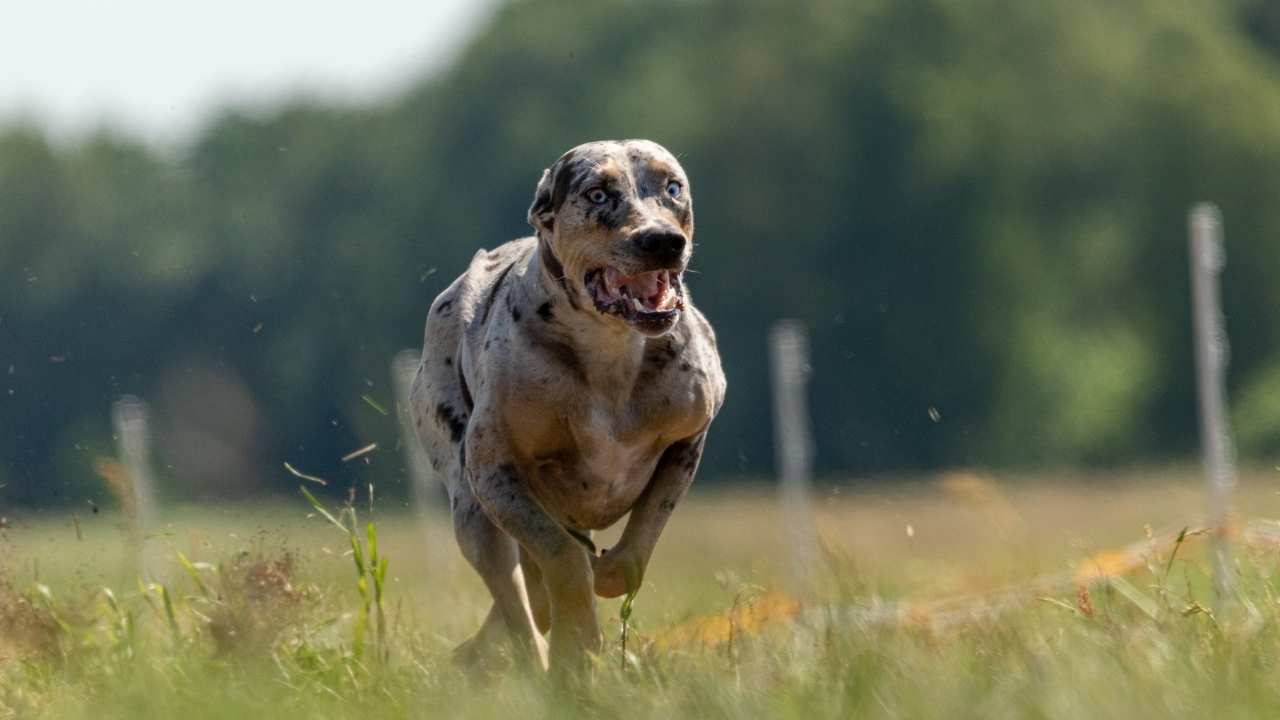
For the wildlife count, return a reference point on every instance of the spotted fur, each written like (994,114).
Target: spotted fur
(551,419)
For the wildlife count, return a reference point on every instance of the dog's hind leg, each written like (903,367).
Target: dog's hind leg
(495,556)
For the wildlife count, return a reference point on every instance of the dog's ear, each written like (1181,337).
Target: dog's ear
(552,190)
(541,214)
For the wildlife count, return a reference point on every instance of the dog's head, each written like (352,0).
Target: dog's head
(617,216)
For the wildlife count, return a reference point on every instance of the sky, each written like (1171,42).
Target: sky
(159,67)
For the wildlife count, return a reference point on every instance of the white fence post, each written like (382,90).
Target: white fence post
(422,489)
(789,358)
(130,418)
(1212,352)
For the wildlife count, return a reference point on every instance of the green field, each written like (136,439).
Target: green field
(266,620)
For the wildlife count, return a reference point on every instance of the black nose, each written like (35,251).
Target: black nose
(663,243)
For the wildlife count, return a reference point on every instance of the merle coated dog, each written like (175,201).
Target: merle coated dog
(566,381)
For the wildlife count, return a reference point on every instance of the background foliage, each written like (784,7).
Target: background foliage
(978,207)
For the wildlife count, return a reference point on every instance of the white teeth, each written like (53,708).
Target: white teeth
(645,292)
(612,280)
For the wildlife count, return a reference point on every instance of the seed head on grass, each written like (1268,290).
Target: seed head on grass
(1084,601)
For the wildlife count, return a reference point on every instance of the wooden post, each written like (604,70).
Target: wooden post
(1212,352)
(130,418)
(793,446)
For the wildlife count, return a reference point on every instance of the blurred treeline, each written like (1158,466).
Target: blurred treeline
(978,206)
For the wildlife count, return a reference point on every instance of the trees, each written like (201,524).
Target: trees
(977,207)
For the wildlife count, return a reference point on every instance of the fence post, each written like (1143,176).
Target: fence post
(793,446)
(130,418)
(1212,356)
(422,490)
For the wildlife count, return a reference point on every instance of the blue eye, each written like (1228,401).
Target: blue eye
(597,196)
(673,189)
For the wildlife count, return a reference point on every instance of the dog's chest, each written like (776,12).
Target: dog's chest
(609,452)
(596,481)
(591,466)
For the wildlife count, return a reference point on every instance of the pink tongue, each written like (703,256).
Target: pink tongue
(643,286)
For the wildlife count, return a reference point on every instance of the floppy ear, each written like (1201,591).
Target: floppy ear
(541,213)
(553,187)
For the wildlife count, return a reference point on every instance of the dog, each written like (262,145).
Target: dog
(566,381)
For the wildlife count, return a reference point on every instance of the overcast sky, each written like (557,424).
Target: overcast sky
(159,66)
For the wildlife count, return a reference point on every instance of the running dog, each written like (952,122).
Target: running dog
(566,381)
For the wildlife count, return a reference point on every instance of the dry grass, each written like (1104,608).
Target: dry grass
(255,611)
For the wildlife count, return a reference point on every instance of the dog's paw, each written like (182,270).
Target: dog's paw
(480,657)
(616,573)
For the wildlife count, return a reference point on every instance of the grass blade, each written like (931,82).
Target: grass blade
(1135,596)
(194,573)
(315,504)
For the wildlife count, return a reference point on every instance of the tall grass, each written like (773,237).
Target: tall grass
(260,629)
(371,573)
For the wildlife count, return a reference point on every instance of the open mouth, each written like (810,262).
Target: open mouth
(644,298)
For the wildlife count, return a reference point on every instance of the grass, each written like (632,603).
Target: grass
(255,612)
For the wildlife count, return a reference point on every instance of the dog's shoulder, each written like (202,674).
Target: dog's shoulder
(487,265)
(487,278)
(488,309)
(465,300)
(681,381)
(701,355)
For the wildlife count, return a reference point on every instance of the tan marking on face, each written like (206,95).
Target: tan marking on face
(600,197)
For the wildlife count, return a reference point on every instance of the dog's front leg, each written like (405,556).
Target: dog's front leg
(565,566)
(621,568)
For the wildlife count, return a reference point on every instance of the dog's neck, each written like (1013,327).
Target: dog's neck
(610,353)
